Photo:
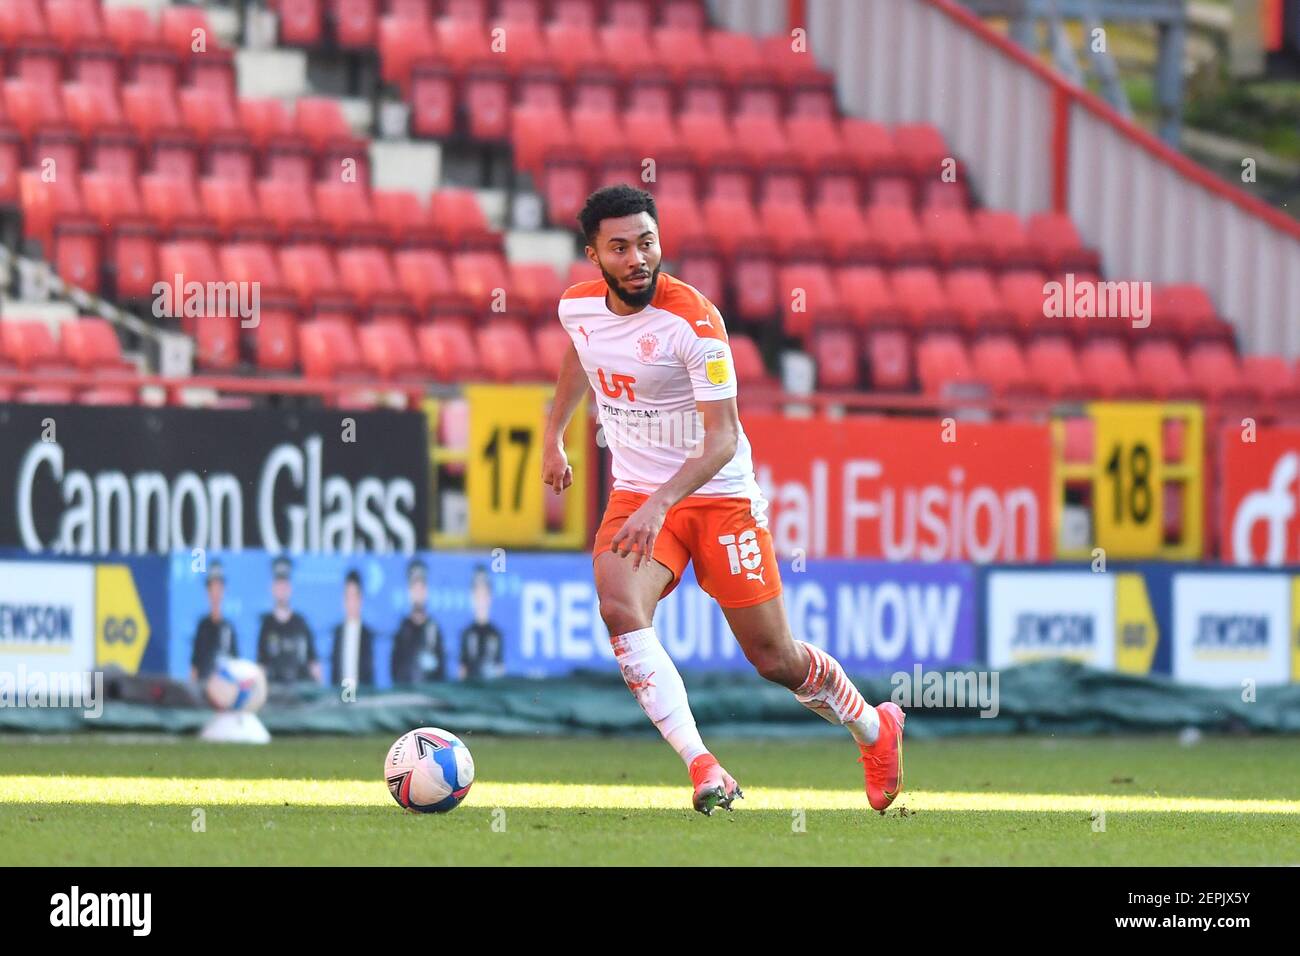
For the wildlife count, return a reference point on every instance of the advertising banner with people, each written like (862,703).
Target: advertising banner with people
(906,490)
(216,479)
(385,621)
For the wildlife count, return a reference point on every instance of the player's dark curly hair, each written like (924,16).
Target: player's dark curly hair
(611,202)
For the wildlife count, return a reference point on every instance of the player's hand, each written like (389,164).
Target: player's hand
(637,536)
(556,471)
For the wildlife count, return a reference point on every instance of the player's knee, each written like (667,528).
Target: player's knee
(620,615)
(778,665)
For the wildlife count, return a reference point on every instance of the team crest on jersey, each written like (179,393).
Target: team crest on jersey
(647,347)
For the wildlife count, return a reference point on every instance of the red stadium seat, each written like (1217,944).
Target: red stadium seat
(91,344)
(31,347)
(1060,248)
(1004,234)
(847,235)
(730,225)
(764,142)
(708,139)
(182,30)
(209,114)
(1054,368)
(308,269)
(897,228)
(952,235)
(366,273)
(790,232)
(356,23)
(346,209)
(892,191)
(388,350)
(425,277)
(1270,377)
(1187,312)
(289,208)
(754,289)
(943,367)
(1023,296)
(889,359)
(808,298)
(923,149)
(835,350)
(256,262)
(1107,371)
(113,201)
(868,297)
(329,350)
(1216,373)
(922,298)
(275,341)
(216,345)
(301,21)
(404,219)
(457,216)
(998,361)
(684,52)
(482,279)
(1160,368)
(552,343)
(871,148)
(403,42)
(448,352)
(535,133)
(22,21)
(233,208)
(979,306)
(536,287)
(172,203)
(505,351)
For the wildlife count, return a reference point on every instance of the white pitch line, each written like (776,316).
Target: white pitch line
(29,789)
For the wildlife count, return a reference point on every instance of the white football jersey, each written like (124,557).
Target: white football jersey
(647,371)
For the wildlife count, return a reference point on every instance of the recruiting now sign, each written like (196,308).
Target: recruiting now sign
(81,481)
(933,490)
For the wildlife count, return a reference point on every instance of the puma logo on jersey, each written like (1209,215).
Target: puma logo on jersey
(751,576)
(703,322)
(585,335)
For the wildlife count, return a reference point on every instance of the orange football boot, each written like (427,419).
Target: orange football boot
(714,787)
(882,762)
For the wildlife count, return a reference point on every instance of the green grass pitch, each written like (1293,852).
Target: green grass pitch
(96,800)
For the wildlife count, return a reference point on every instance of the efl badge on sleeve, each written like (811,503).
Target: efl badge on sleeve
(716,368)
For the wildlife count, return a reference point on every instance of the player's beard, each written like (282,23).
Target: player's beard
(635,300)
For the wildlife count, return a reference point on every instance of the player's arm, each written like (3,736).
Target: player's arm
(570,389)
(721,424)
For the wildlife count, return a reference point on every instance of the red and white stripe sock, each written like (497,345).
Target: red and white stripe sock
(828,692)
(652,677)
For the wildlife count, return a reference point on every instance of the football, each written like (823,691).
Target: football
(236,685)
(429,770)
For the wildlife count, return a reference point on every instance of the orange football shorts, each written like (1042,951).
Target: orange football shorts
(735,562)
